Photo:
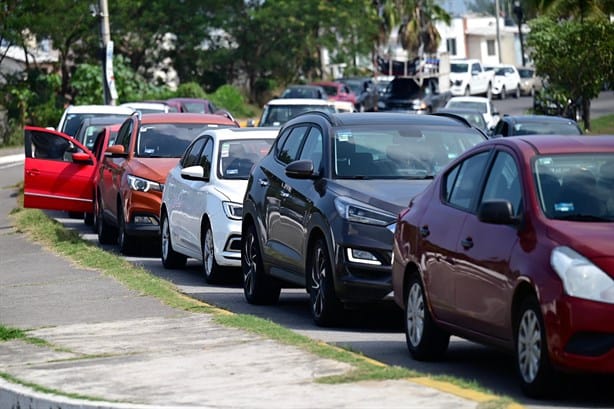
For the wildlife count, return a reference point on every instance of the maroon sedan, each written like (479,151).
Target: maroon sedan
(512,245)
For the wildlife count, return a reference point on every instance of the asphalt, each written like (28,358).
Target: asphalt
(110,347)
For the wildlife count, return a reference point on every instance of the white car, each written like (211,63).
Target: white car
(74,114)
(278,111)
(202,200)
(481,104)
(506,82)
(147,107)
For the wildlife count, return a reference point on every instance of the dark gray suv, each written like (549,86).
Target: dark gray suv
(321,206)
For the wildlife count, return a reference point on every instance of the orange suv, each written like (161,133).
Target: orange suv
(129,190)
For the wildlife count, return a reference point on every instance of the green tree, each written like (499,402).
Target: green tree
(561,54)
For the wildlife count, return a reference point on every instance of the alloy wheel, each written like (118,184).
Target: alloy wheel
(318,274)
(529,346)
(415,314)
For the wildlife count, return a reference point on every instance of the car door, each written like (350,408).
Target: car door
(58,171)
(186,200)
(484,281)
(279,218)
(440,230)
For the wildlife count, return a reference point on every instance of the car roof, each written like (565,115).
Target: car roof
(539,118)
(559,144)
(469,98)
(300,101)
(98,109)
(145,104)
(381,118)
(243,133)
(187,118)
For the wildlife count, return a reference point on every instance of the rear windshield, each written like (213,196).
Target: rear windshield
(168,140)
(277,115)
(73,121)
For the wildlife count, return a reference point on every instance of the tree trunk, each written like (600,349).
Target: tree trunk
(586,114)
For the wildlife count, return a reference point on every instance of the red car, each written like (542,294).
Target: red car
(512,245)
(337,91)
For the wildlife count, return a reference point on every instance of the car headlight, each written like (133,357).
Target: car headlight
(355,211)
(233,210)
(143,185)
(581,278)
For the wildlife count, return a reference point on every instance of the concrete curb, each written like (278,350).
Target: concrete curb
(12,158)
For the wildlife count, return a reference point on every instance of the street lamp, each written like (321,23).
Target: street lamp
(519,15)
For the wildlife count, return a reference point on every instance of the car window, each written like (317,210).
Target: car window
(52,147)
(236,158)
(124,135)
(192,155)
(465,186)
(168,140)
(289,150)
(313,147)
(504,182)
(207,155)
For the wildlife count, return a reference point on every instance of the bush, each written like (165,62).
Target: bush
(231,99)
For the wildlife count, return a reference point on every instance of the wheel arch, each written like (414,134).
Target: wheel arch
(315,234)
(411,270)
(522,291)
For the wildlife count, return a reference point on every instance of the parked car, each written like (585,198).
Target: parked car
(129,192)
(91,127)
(202,200)
(366,92)
(73,115)
(482,104)
(407,95)
(468,77)
(475,118)
(506,81)
(147,107)
(278,111)
(319,207)
(511,246)
(305,91)
(530,82)
(193,105)
(515,125)
(337,91)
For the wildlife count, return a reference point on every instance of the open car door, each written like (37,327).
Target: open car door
(58,171)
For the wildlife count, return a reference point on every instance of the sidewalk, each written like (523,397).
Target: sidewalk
(127,350)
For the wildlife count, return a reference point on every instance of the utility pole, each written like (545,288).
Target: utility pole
(106,51)
(519,15)
(497,14)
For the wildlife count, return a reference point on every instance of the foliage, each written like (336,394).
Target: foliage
(561,56)
(231,99)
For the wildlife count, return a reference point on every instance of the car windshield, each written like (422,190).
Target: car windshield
(525,73)
(302,92)
(546,128)
(167,140)
(500,71)
(194,106)
(88,136)
(73,121)
(355,86)
(404,88)
(576,187)
(330,89)
(237,157)
(277,115)
(459,67)
(471,105)
(398,151)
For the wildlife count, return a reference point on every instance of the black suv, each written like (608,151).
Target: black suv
(408,95)
(320,208)
(514,125)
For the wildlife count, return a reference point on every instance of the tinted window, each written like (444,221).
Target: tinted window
(504,182)
(238,157)
(313,147)
(466,184)
(205,159)
(291,146)
(190,158)
(124,134)
(166,140)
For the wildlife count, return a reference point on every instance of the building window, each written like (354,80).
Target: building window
(451,45)
(490,46)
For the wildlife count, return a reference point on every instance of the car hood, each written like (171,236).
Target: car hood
(155,169)
(233,190)
(592,240)
(457,76)
(390,195)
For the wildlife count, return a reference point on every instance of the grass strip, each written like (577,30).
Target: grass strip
(55,236)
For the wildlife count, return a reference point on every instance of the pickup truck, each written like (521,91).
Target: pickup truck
(407,95)
(468,77)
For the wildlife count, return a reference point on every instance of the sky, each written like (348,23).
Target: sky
(454,7)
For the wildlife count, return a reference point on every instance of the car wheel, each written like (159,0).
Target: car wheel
(503,93)
(467,91)
(258,288)
(211,269)
(326,309)
(425,340)
(107,234)
(124,241)
(532,360)
(170,258)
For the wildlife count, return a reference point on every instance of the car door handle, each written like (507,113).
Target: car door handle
(33,172)
(424,231)
(263,182)
(467,243)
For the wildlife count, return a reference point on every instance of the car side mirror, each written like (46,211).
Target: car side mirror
(496,212)
(82,158)
(300,169)
(196,172)
(251,123)
(115,150)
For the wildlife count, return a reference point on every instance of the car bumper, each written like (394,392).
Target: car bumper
(143,210)
(457,90)
(227,241)
(581,335)
(358,280)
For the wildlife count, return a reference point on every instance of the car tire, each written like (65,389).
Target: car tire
(124,241)
(425,341)
(467,91)
(535,371)
(170,258)
(107,234)
(211,270)
(258,288)
(326,309)
(503,93)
